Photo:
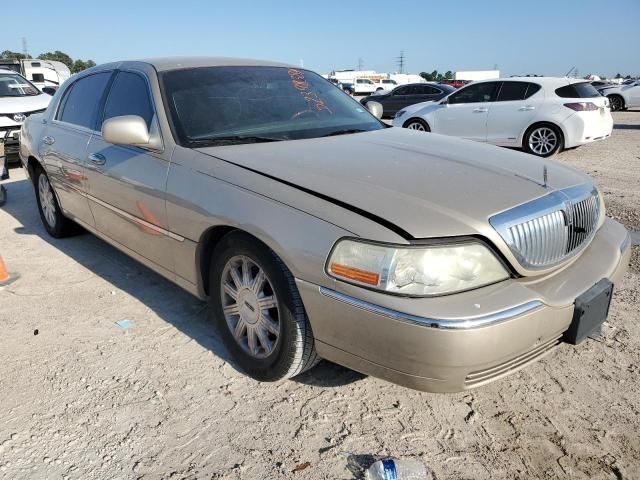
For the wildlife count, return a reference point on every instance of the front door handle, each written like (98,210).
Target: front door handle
(480,110)
(527,108)
(97,158)
(48,140)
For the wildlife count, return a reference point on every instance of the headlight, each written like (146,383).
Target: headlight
(420,270)
(400,113)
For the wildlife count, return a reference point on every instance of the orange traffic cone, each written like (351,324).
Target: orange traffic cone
(4,274)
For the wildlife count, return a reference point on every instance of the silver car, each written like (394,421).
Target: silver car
(314,231)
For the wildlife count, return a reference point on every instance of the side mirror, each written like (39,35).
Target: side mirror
(375,108)
(126,130)
(49,91)
(444,101)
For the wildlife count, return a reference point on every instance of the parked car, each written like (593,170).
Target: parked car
(454,83)
(601,83)
(363,86)
(19,98)
(348,88)
(405,95)
(622,97)
(314,231)
(542,115)
(385,84)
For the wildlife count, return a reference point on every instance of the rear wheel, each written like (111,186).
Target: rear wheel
(417,124)
(616,102)
(543,140)
(258,310)
(54,221)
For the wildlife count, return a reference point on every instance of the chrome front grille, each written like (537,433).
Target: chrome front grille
(550,229)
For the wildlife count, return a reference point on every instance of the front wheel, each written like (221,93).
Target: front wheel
(616,102)
(543,140)
(258,310)
(417,124)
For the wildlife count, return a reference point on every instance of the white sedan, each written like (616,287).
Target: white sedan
(542,115)
(623,96)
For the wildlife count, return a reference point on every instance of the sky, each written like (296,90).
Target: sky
(537,36)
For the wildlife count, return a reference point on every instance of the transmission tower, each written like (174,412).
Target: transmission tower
(400,62)
(24,47)
(360,64)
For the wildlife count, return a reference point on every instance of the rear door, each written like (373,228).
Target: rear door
(466,112)
(126,184)
(64,145)
(515,108)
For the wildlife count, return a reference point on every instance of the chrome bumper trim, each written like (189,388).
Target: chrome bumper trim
(445,324)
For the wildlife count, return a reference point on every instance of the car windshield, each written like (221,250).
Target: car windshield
(14,85)
(221,105)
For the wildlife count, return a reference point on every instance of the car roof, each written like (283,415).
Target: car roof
(176,63)
(551,82)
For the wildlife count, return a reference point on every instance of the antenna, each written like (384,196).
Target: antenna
(569,72)
(360,63)
(24,47)
(400,62)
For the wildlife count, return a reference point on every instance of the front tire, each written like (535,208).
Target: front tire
(616,102)
(543,140)
(54,221)
(258,310)
(417,124)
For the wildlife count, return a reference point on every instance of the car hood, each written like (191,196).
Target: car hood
(428,185)
(24,104)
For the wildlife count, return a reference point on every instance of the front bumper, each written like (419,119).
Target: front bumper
(457,342)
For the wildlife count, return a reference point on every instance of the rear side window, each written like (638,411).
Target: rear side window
(578,90)
(475,93)
(511,91)
(426,90)
(129,95)
(81,101)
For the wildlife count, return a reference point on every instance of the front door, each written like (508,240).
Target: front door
(63,148)
(126,184)
(466,111)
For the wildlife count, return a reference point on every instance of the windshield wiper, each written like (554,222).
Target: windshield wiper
(345,132)
(233,139)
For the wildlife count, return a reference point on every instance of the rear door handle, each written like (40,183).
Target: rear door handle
(48,140)
(480,110)
(527,108)
(97,158)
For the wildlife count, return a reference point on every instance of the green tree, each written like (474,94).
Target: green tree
(9,55)
(80,65)
(448,75)
(57,56)
(426,76)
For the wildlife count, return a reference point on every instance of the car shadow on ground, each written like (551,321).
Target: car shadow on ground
(626,126)
(172,304)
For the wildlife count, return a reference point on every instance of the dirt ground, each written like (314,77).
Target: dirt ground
(83,398)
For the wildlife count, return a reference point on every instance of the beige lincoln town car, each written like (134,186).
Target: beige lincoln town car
(316,231)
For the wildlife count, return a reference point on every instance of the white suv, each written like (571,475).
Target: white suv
(19,98)
(363,86)
(540,114)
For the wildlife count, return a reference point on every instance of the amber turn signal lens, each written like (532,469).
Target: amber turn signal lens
(362,276)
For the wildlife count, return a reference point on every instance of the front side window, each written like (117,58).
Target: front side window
(129,95)
(475,93)
(402,91)
(81,101)
(243,104)
(14,85)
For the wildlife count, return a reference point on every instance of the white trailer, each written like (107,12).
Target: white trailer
(473,75)
(42,73)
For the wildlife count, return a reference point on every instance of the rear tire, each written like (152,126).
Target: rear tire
(543,140)
(265,327)
(616,102)
(54,221)
(417,124)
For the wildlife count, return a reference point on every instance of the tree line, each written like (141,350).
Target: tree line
(436,76)
(75,66)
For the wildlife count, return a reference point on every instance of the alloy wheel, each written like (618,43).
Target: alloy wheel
(616,103)
(47,202)
(416,126)
(250,306)
(543,140)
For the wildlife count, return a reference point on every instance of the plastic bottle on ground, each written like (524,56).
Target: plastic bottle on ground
(396,469)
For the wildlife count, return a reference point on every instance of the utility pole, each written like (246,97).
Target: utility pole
(360,64)
(400,62)
(24,47)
